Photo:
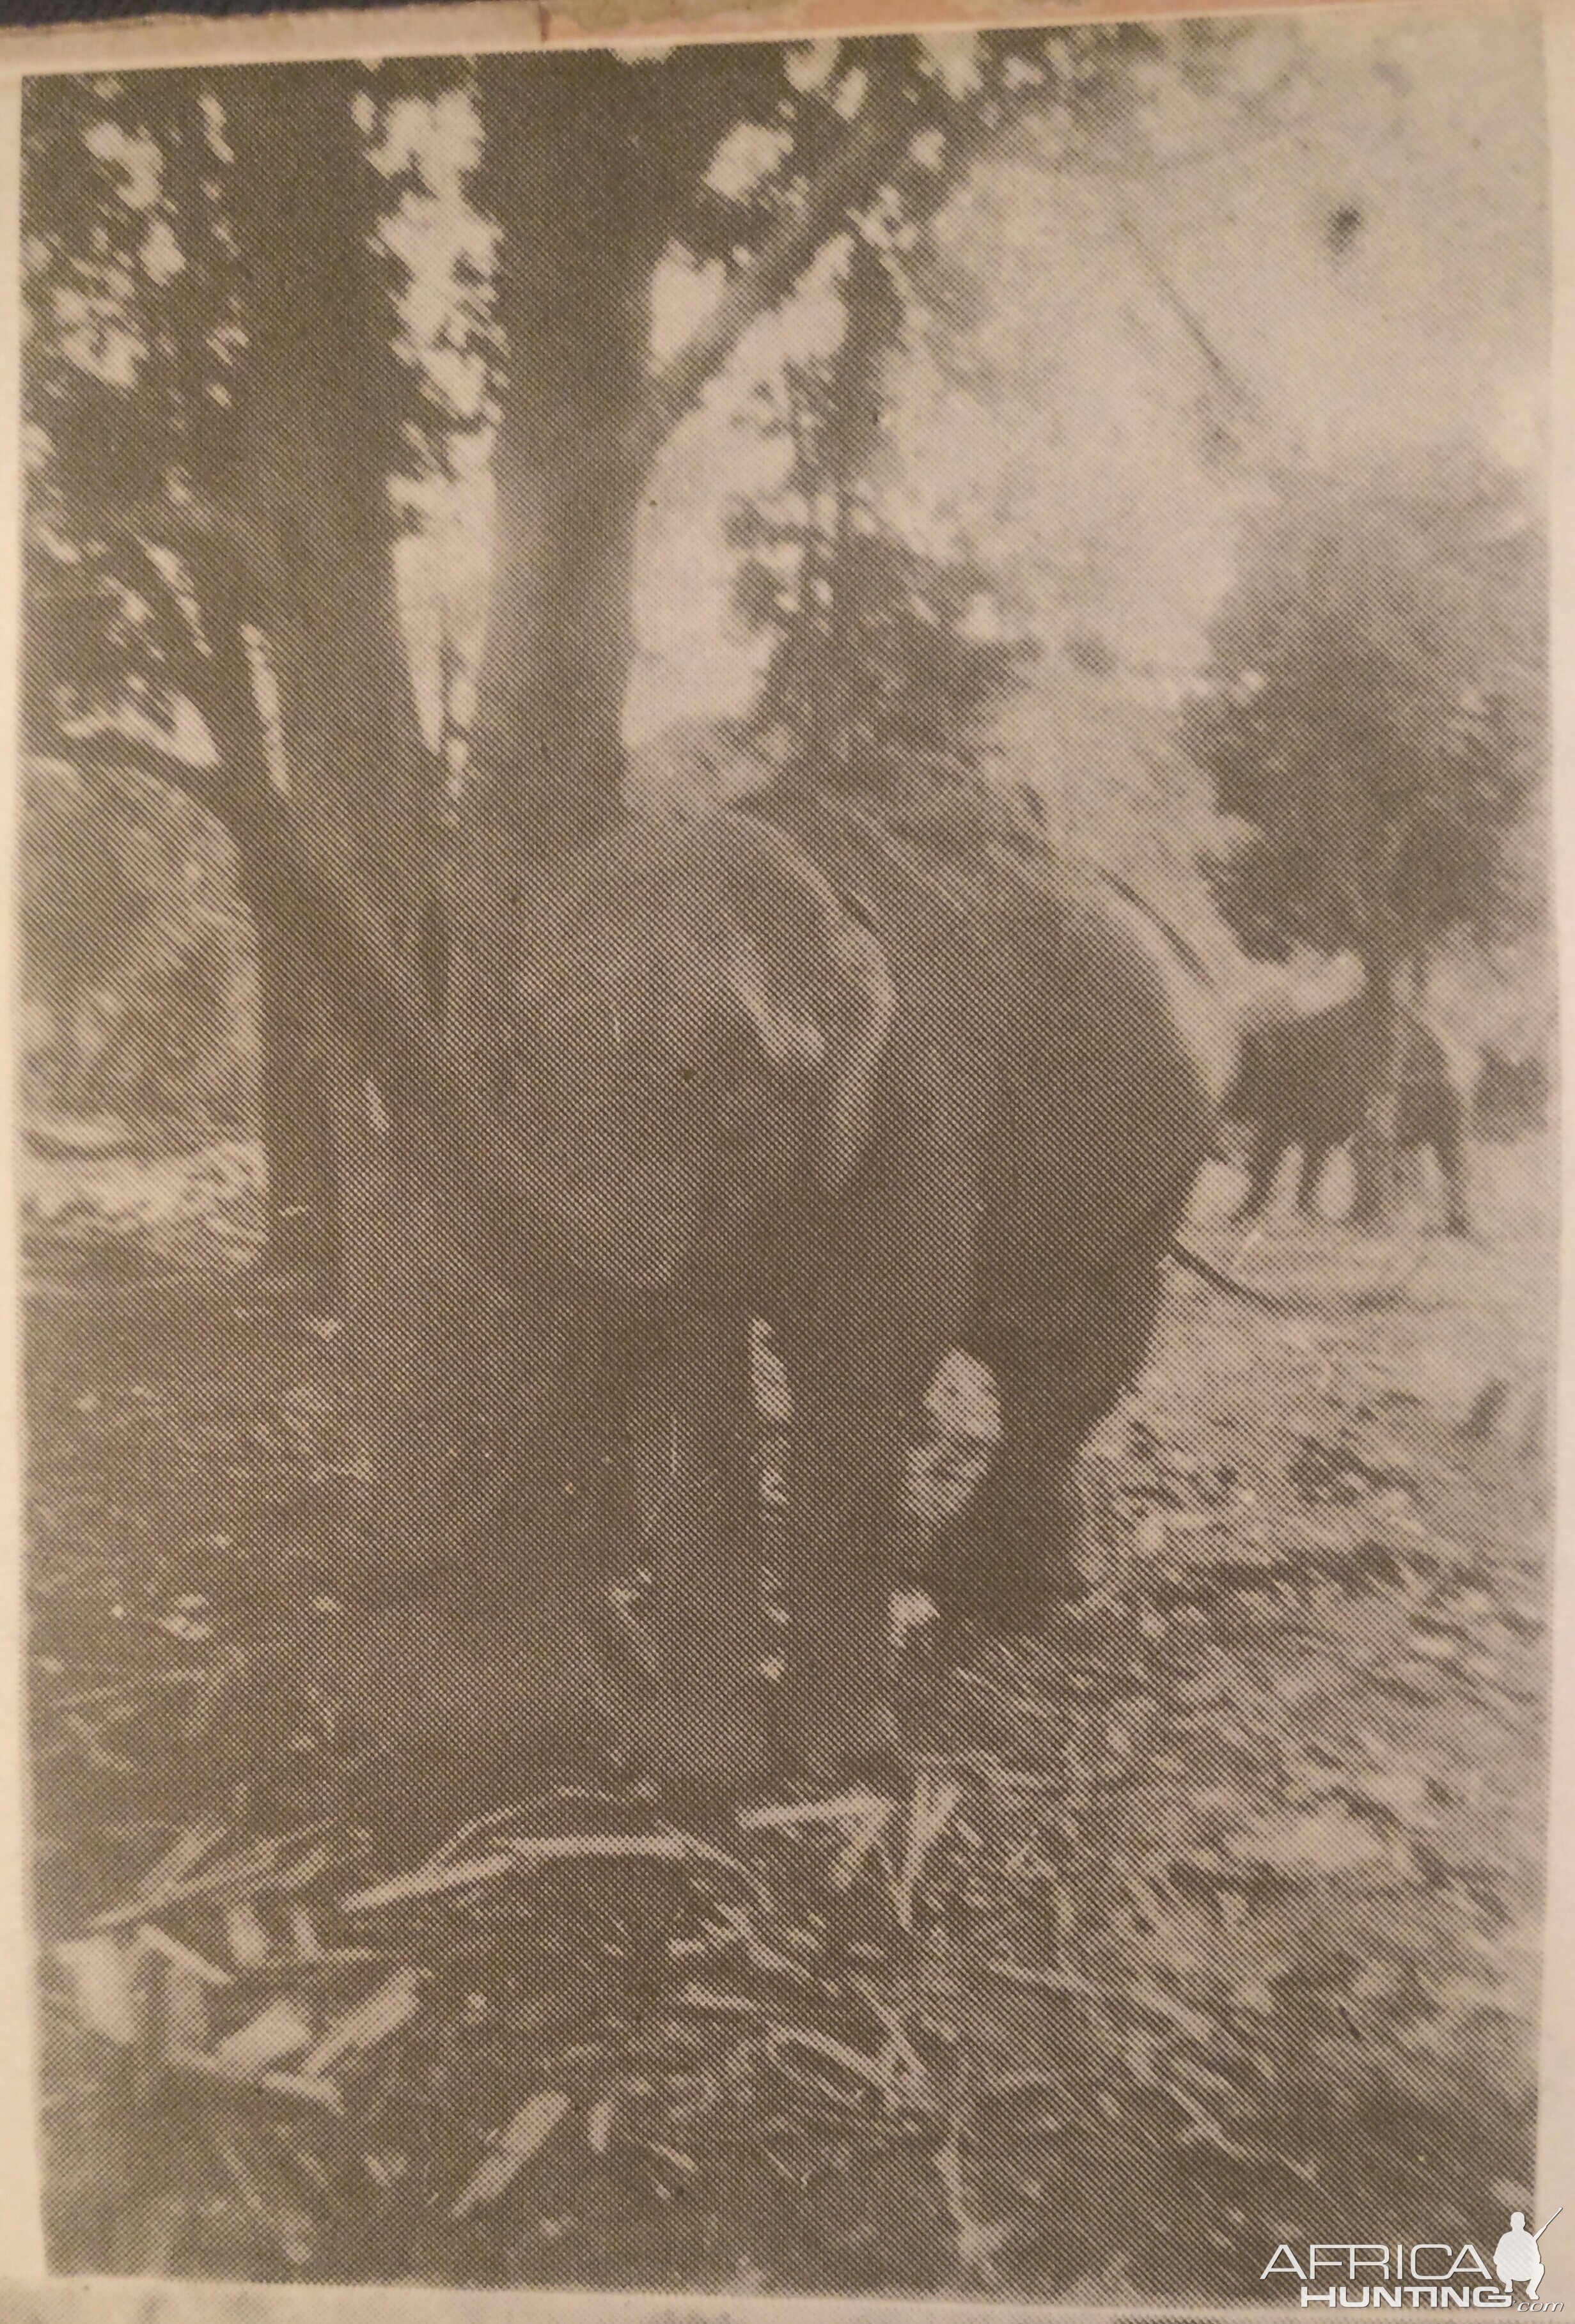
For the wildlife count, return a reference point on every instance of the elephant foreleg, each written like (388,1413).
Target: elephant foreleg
(567,1512)
(703,1694)
(844,1491)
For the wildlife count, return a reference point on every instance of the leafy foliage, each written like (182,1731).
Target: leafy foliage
(175,275)
(175,221)
(1376,714)
(138,976)
(887,660)
(131,284)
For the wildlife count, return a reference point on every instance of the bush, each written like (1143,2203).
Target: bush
(138,970)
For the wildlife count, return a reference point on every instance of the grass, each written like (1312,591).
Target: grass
(1207,1920)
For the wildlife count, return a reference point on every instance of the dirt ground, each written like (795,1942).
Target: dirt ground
(1208,1920)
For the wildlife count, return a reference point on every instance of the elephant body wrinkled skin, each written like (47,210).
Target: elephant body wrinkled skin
(1307,1084)
(894,1088)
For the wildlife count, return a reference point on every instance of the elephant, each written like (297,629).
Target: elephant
(1307,1083)
(1511,1096)
(890,1084)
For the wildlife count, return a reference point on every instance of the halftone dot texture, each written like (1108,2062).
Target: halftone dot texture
(490,1829)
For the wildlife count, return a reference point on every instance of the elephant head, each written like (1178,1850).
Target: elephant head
(685,1019)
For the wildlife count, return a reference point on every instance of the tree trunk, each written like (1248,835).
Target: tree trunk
(457,1417)
(345,860)
(550,761)
(574,306)
(468,1413)
(309,527)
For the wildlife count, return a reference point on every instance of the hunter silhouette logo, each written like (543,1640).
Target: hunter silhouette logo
(1419,2275)
(1517,2257)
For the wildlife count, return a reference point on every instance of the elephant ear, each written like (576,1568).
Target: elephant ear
(699,1022)
(813,989)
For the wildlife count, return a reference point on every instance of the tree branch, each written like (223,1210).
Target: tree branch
(205,754)
(179,754)
(797,240)
(1224,373)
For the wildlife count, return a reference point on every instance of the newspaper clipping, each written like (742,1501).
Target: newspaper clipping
(786,1082)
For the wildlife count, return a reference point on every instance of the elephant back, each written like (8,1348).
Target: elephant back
(1074,1056)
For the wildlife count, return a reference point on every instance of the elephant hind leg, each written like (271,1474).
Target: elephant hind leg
(1449,1144)
(1264,1153)
(1314,1163)
(1014,1551)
